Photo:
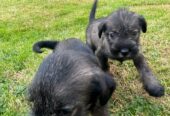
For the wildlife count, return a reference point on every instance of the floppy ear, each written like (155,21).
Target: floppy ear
(143,24)
(101,29)
(107,89)
(102,87)
(95,90)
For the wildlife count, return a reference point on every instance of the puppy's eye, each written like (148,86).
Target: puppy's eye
(113,34)
(66,110)
(134,32)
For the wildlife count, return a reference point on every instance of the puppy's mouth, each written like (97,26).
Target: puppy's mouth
(123,54)
(123,58)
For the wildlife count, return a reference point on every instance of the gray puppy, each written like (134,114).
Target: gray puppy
(117,37)
(69,82)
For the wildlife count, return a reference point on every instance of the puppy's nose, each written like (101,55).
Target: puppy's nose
(124,51)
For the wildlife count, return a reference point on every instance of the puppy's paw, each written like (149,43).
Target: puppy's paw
(155,90)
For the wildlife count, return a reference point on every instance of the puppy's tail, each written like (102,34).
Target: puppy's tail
(44,44)
(93,11)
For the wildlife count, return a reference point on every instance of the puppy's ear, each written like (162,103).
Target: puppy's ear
(143,24)
(107,89)
(101,29)
(95,90)
(102,87)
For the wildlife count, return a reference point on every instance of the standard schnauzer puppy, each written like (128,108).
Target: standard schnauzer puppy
(117,37)
(70,82)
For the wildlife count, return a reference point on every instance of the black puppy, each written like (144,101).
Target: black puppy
(70,82)
(117,37)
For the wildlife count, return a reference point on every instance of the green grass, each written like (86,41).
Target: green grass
(23,22)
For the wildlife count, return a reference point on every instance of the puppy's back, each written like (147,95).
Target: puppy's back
(74,45)
(62,75)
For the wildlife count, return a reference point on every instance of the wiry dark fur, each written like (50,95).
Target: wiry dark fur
(70,82)
(43,44)
(117,37)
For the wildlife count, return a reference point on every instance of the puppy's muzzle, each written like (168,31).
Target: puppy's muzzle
(123,52)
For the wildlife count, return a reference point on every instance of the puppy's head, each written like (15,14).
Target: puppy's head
(56,102)
(120,34)
(73,97)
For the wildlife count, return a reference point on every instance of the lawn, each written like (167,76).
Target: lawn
(23,22)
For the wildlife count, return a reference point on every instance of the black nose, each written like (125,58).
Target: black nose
(124,51)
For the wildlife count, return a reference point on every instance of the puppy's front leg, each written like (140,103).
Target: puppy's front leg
(150,83)
(101,111)
(103,61)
